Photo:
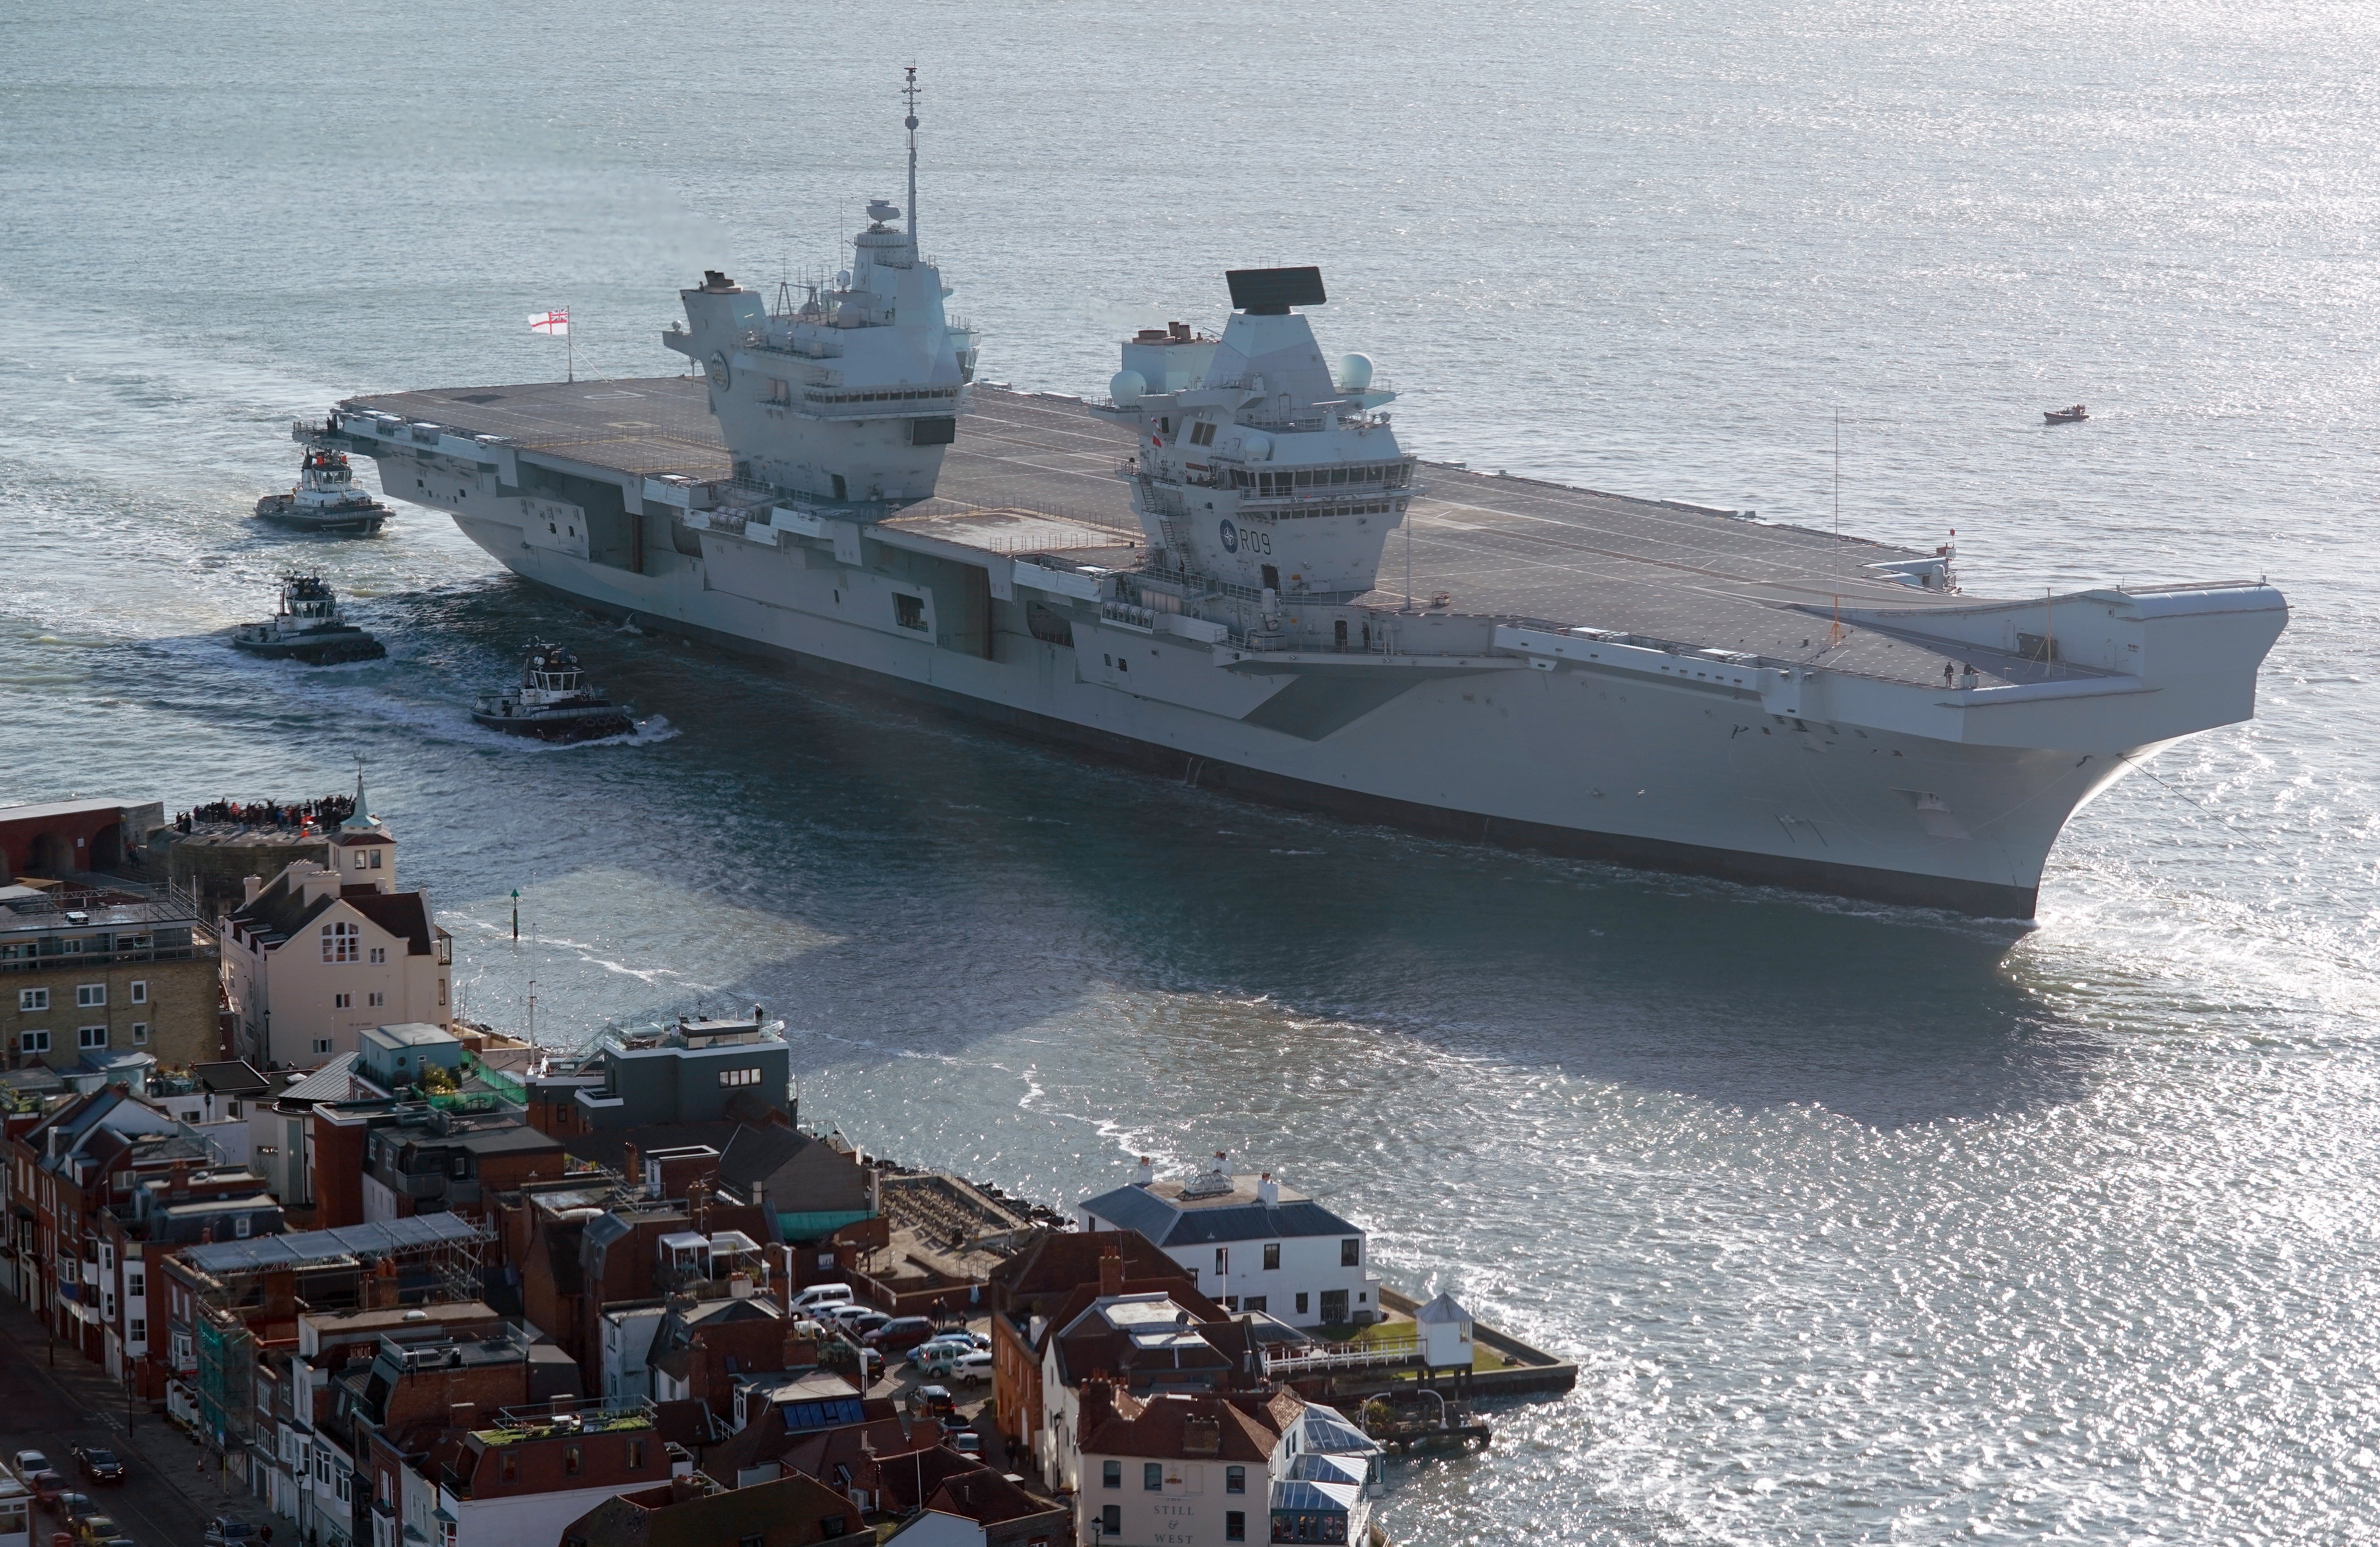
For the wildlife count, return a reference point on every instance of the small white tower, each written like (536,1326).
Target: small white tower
(1445,1334)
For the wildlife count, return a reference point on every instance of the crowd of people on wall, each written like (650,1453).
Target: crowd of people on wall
(267,813)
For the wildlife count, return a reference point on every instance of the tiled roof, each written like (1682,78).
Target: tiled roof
(1241,1427)
(1169,1223)
(404,914)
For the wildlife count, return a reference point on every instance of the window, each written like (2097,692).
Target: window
(1152,1476)
(33,999)
(1236,1525)
(909,612)
(1235,1479)
(831,1525)
(1272,1256)
(635,1447)
(140,1033)
(1111,1474)
(322,1044)
(1222,1261)
(340,942)
(359,859)
(441,991)
(1112,1520)
(739,1077)
(242,1225)
(136,1284)
(1253,1302)
(1202,434)
(510,1466)
(375,1000)
(573,1459)
(1351,1253)
(1301,1302)
(90,995)
(343,1001)
(375,854)
(379,955)
(33,1042)
(137,1330)
(140,992)
(91,1036)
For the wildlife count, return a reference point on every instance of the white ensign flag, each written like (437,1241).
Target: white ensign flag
(555,324)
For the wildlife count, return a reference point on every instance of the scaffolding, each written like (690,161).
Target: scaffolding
(247,1296)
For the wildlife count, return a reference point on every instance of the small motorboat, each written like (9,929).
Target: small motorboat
(553,702)
(309,628)
(325,499)
(2074,415)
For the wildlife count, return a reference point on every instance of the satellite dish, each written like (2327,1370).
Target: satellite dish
(1354,373)
(1256,446)
(1125,388)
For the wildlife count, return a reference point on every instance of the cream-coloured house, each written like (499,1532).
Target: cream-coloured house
(318,954)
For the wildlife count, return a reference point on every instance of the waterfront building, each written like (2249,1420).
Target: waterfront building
(1194,1470)
(319,954)
(1147,1343)
(1248,1242)
(60,840)
(697,1071)
(92,975)
(1035,1283)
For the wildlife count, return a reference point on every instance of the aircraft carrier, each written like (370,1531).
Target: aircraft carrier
(1228,572)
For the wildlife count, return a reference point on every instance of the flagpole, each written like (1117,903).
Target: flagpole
(570,349)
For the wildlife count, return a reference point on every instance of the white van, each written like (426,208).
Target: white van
(818,1296)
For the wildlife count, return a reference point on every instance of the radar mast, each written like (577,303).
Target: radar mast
(910,123)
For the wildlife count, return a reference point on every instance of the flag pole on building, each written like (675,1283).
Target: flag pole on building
(554,324)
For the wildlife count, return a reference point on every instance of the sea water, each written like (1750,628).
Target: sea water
(1862,1224)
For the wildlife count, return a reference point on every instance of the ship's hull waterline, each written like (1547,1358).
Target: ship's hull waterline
(1634,773)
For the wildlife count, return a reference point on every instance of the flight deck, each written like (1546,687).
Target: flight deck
(1039,473)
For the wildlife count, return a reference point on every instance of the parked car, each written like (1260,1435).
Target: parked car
(820,1296)
(970,1367)
(936,1344)
(46,1486)
(901,1331)
(31,1461)
(932,1402)
(93,1530)
(226,1531)
(860,1320)
(966,1442)
(73,1506)
(100,1465)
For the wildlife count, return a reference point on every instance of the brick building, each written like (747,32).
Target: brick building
(86,975)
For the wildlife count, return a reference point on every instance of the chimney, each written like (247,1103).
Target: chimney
(1097,1402)
(1143,1173)
(1110,1273)
(177,1183)
(1267,1190)
(697,1208)
(698,1370)
(250,887)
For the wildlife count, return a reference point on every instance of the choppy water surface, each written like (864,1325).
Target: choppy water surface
(1864,1225)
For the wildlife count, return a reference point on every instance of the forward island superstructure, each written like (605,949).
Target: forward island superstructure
(1230,571)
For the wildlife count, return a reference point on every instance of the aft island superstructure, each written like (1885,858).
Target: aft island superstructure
(1232,572)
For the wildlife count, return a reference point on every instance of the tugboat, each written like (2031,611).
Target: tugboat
(309,628)
(553,702)
(325,499)
(2074,415)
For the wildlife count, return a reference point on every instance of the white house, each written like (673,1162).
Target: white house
(319,953)
(1249,1243)
(1215,1469)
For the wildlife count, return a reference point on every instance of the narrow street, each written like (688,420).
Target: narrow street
(166,1500)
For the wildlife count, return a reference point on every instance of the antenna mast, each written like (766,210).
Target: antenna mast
(910,123)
